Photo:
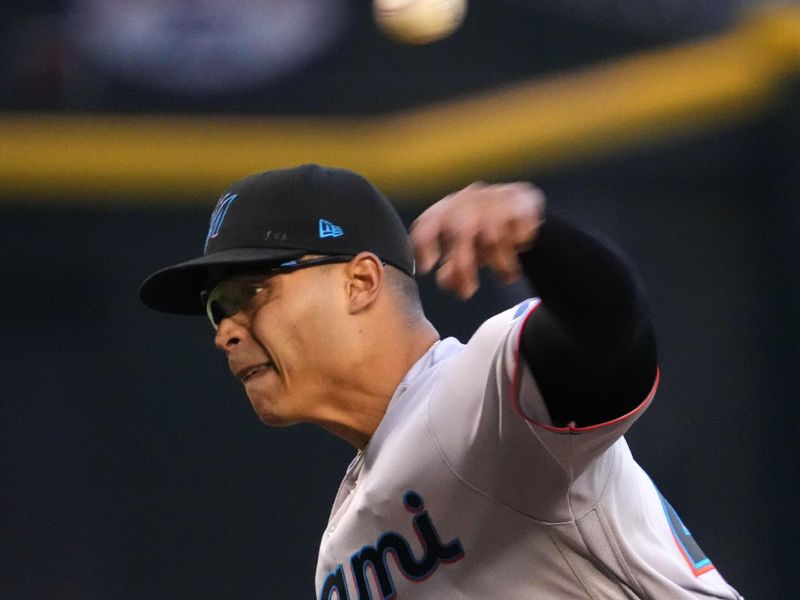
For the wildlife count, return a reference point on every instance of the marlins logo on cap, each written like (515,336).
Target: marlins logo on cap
(218,216)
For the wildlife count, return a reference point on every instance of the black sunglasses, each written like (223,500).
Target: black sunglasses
(229,296)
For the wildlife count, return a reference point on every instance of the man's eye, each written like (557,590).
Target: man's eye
(250,292)
(222,309)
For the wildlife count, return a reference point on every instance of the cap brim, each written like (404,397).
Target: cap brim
(177,289)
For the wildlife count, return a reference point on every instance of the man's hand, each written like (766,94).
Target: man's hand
(481,225)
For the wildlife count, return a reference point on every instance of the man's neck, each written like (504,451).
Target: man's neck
(373,384)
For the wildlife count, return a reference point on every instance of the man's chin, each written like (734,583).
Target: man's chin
(268,407)
(273,420)
(270,417)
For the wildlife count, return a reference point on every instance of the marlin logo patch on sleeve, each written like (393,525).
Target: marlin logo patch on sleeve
(699,563)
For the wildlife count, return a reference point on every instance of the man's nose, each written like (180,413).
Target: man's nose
(229,334)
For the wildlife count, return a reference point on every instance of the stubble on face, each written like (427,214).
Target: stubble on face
(295,326)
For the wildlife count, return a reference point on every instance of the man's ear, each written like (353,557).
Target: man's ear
(365,277)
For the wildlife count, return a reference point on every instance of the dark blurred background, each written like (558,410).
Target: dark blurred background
(132,465)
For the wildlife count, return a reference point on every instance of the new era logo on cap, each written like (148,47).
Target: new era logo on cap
(328,229)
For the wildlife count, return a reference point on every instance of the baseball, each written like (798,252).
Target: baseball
(419,21)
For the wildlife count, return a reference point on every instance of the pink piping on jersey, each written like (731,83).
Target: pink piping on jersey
(571,427)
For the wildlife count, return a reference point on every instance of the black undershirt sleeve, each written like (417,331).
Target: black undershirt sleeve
(590,344)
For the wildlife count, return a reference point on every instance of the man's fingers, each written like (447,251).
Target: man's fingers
(461,259)
(503,261)
(463,283)
(425,237)
(479,225)
(496,250)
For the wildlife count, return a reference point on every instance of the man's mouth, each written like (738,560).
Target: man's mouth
(254,370)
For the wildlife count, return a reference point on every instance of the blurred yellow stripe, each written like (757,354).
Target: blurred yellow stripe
(533,126)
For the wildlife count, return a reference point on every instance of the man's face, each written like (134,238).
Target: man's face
(282,342)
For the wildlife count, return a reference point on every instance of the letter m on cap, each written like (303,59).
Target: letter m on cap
(218,216)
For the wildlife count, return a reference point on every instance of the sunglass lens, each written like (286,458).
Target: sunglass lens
(216,312)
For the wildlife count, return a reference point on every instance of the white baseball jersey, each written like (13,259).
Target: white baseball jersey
(467,490)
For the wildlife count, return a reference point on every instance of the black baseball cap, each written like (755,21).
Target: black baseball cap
(276,216)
